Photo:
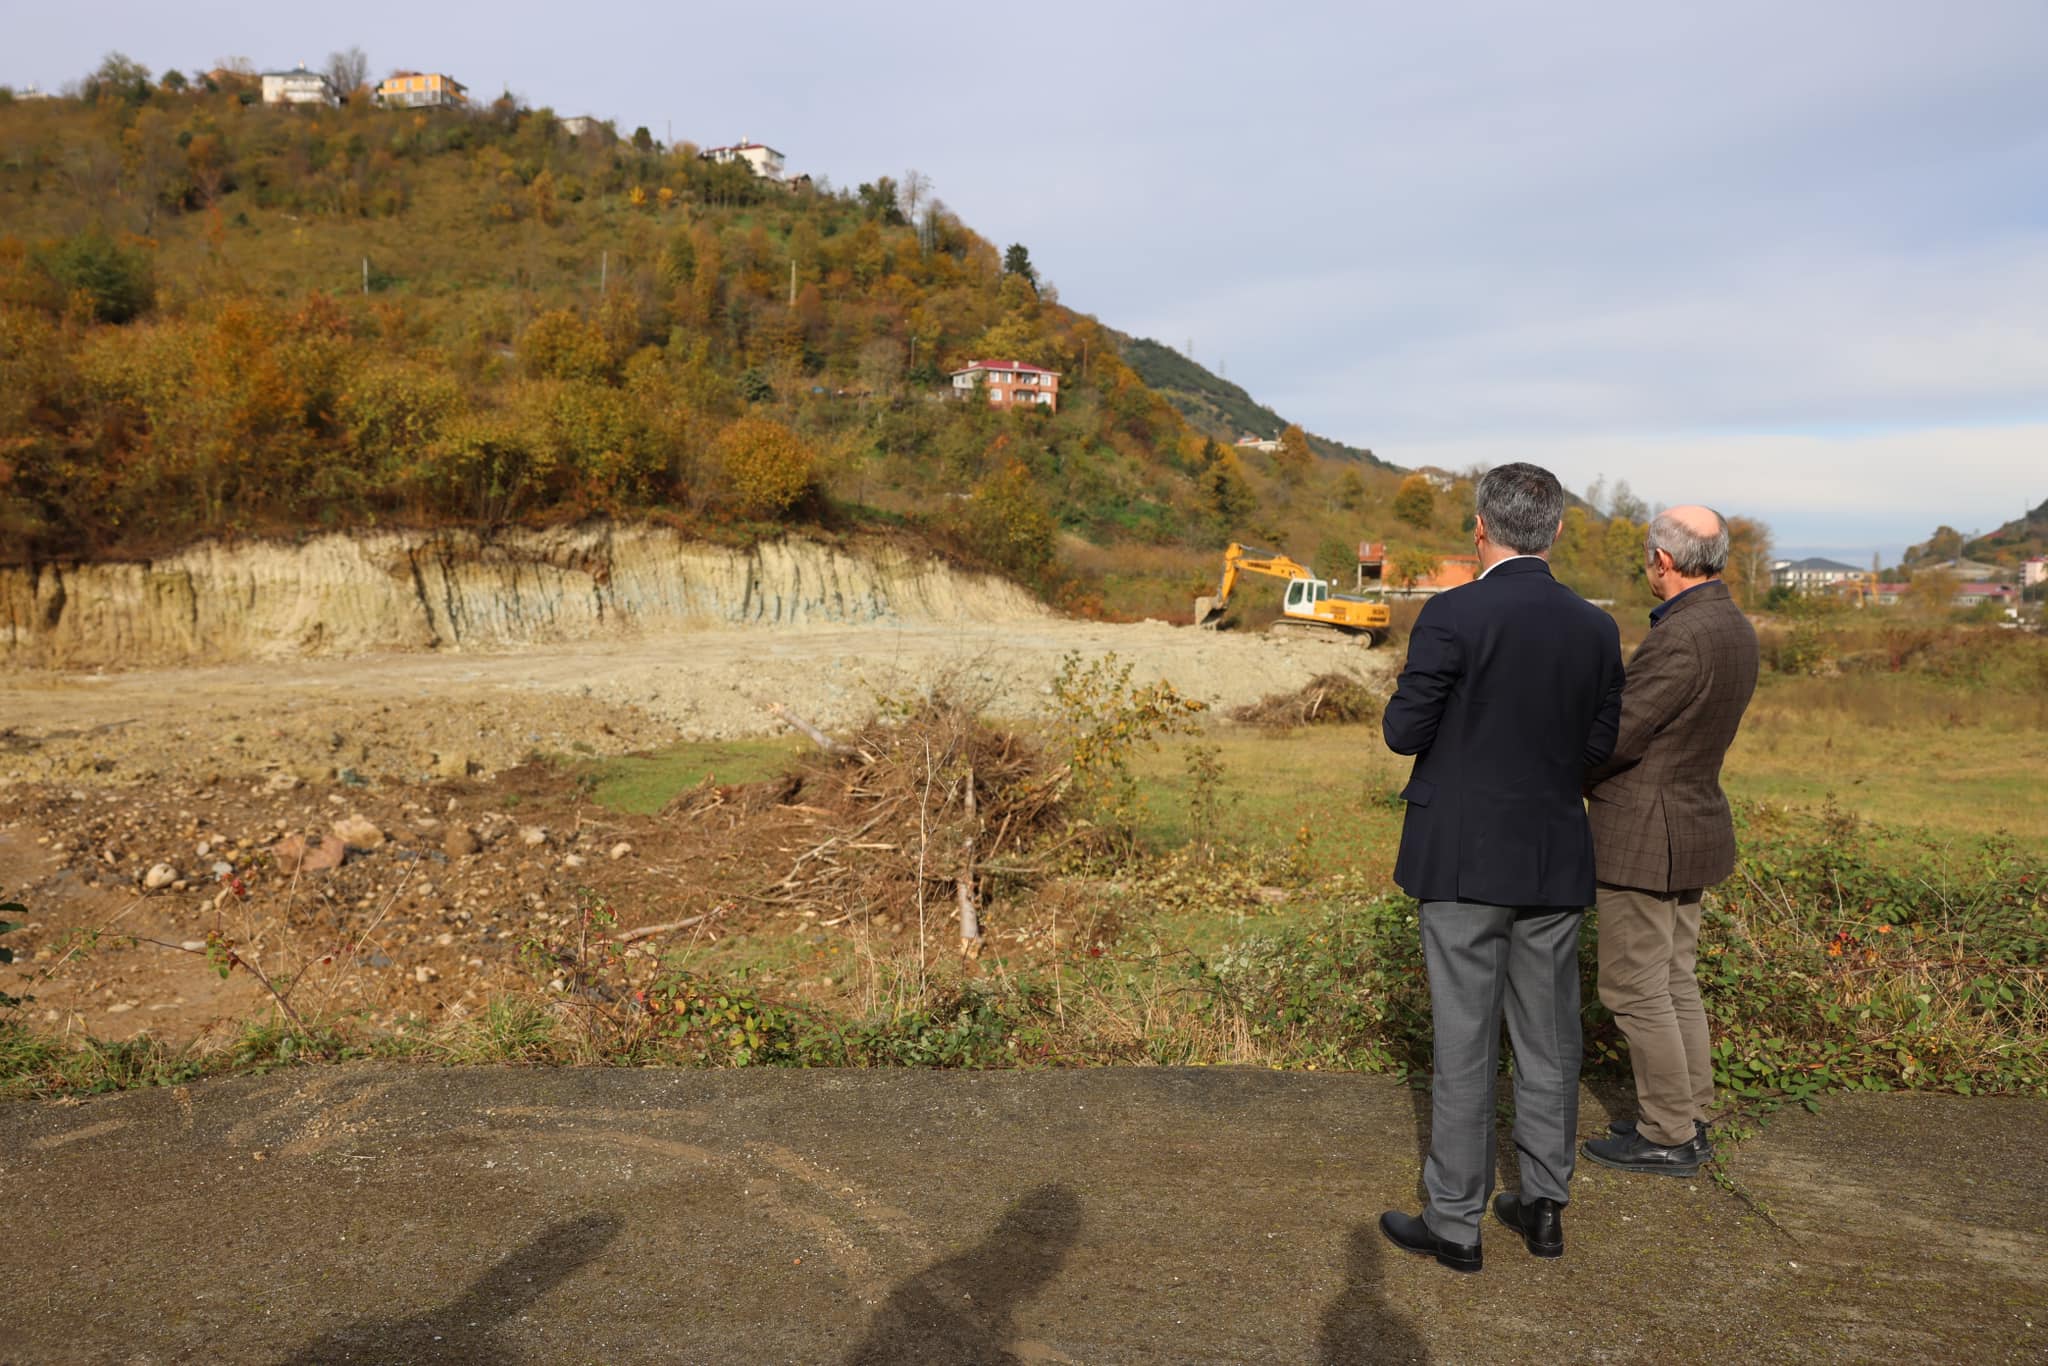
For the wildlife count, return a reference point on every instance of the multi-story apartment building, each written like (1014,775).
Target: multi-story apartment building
(421,90)
(1805,576)
(1009,382)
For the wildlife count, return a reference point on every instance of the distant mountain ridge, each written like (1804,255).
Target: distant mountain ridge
(1216,407)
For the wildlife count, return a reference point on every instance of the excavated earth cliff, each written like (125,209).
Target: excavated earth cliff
(347,594)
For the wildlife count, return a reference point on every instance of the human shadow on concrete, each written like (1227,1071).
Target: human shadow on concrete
(461,1330)
(1360,1327)
(963,1309)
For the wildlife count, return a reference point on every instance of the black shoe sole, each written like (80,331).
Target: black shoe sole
(1645,1168)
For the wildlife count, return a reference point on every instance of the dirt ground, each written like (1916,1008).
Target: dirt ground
(1127,1215)
(176,806)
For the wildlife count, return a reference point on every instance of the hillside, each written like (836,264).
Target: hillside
(2020,539)
(1216,407)
(221,320)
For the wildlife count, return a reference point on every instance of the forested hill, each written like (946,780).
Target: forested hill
(2020,539)
(1216,407)
(222,319)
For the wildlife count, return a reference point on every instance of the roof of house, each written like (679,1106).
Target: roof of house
(1985,588)
(301,71)
(974,365)
(1814,563)
(740,147)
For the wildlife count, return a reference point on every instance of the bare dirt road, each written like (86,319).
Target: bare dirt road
(411,714)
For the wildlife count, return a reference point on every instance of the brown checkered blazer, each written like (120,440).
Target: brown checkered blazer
(1660,820)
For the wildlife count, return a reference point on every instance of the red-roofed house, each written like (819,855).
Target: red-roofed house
(1976,594)
(1009,382)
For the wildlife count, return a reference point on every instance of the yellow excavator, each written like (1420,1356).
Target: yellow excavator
(1309,607)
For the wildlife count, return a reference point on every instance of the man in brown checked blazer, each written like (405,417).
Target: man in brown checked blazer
(1662,833)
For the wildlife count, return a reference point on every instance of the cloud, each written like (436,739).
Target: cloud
(1874,490)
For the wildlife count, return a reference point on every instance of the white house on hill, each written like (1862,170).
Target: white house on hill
(761,159)
(299,86)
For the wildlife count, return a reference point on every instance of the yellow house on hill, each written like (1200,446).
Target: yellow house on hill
(421,90)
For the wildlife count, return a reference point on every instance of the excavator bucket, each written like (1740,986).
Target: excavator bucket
(1208,612)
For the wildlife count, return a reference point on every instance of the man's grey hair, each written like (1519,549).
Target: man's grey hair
(1522,505)
(1693,555)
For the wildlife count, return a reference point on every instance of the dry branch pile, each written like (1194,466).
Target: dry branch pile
(1327,699)
(907,818)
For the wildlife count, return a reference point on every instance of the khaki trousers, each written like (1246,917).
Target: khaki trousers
(1649,944)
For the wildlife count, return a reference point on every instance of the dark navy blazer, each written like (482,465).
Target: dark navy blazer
(1512,690)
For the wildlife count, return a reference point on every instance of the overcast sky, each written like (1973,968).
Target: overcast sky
(1790,259)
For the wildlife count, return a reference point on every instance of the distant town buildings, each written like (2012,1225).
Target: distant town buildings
(1812,573)
(1977,594)
(1972,570)
(299,86)
(421,90)
(1375,571)
(1009,383)
(761,159)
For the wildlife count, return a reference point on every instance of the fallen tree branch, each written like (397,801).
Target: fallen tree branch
(836,748)
(670,927)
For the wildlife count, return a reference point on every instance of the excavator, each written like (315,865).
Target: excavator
(1309,607)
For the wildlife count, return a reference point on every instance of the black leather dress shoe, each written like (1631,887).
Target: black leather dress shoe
(1540,1222)
(1699,1131)
(1410,1234)
(1634,1153)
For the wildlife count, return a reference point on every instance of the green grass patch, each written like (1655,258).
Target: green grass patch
(644,783)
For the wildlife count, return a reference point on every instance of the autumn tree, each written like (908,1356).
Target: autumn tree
(767,466)
(1415,500)
(348,71)
(1008,525)
(542,191)
(1622,503)
(1294,457)
(1350,490)
(116,282)
(118,77)
(560,345)
(1226,493)
(1749,560)
(1932,592)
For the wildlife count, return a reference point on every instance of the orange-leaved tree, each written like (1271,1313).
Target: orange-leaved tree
(767,466)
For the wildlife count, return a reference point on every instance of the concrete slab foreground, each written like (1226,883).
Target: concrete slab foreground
(403,1214)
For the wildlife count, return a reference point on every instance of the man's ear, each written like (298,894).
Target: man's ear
(1560,531)
(1479,525)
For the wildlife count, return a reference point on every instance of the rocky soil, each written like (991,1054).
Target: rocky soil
(386,825)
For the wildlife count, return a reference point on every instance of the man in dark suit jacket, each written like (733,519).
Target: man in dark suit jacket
(1511,690)
(1662,833)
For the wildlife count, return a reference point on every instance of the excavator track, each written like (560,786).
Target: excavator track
(1324,630)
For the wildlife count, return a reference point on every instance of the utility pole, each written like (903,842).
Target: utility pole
(366,275)
(604,270)
(792,282)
